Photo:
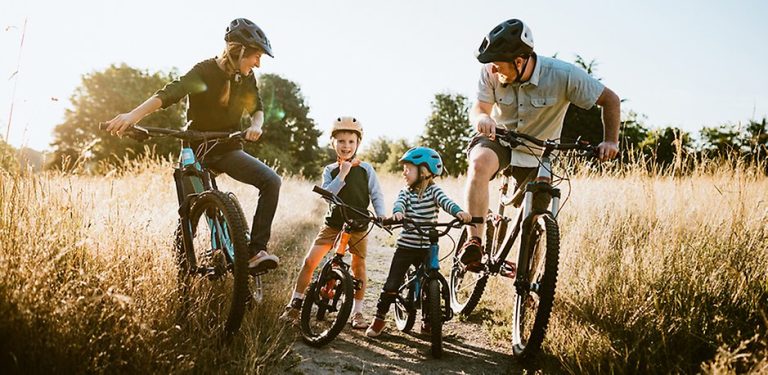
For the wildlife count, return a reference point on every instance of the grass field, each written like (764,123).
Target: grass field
(658,274)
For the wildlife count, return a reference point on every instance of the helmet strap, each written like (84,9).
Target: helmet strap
(519,78)
(235,66)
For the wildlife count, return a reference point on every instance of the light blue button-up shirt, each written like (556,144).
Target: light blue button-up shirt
(537,107)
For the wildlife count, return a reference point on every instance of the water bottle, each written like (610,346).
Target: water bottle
(187,157)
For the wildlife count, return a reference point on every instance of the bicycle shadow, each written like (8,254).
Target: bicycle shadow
(397,352)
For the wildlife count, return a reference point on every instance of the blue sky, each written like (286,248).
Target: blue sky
(683,63)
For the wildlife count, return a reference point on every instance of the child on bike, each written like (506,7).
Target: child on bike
(223,94)
(355,182)
(418,201)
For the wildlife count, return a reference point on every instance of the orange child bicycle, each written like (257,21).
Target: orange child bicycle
(328,302)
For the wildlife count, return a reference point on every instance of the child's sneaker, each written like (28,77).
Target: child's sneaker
(263,261)
(292,312)
(376,328)
(358,321)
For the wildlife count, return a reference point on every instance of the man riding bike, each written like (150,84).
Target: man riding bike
(522,91)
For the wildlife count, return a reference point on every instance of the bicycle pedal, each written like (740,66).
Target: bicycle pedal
(508,269)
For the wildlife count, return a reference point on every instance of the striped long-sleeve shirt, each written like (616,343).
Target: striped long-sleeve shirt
(421,210)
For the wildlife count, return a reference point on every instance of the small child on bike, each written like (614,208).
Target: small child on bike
(418,201)
(355,182)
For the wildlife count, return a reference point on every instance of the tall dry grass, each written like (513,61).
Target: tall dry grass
(658,274)
(88,280)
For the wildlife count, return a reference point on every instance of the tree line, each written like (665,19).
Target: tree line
(290,141)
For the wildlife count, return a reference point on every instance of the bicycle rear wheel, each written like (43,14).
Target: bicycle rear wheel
(327,306)
(435,316)
(535,286)
(467,287)
(404,319)
(217,248)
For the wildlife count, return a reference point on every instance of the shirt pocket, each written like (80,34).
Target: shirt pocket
(542,102)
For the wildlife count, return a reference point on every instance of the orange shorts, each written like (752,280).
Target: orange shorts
(358,242)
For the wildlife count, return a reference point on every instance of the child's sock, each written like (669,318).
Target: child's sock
(295,296)
(357,306)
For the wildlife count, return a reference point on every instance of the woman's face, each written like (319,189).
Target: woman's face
(251,59)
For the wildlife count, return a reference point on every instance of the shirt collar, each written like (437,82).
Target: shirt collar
(534,80)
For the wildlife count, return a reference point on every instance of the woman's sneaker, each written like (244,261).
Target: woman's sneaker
(376,328)
(263,261)
(358,321)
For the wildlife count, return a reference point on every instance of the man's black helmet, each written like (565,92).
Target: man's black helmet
(248,34)
(510,39)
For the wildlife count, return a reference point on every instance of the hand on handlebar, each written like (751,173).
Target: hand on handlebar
(607,150)
(486,126)
(464,217)
(398,216)
(121,123)
(253,133)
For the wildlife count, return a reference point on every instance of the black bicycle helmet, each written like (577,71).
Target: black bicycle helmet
(247,33)
(510,39)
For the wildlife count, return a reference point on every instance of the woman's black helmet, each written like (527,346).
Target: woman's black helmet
(248,34)
(510,39)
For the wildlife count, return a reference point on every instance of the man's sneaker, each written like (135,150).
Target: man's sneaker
(358,321)
(376,328)
(426,328)
(471,252)
(290,315)
(263,261)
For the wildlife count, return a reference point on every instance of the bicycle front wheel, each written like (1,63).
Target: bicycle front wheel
(216,248)
(535,286)
(435,316)
(326,307)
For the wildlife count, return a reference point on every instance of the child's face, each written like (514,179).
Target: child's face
(410,173)
(345,144)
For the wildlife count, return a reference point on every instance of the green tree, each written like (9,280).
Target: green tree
(377,151)
(667,145)
(100,97)
(290,137)
(721,141)
(448,131)
(397,148)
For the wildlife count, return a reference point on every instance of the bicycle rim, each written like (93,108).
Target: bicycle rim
(327,307)
(533,304)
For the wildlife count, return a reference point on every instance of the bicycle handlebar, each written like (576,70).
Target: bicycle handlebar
(144,132)
(514,137)
(455,223)
(366,216)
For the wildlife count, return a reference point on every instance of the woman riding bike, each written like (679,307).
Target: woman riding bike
(223,94)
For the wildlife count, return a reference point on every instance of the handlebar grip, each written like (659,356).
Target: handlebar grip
(390,221)
(103,126)
(477,220)
(323,192)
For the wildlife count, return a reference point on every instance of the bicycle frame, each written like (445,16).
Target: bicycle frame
(428,270)
(191,179)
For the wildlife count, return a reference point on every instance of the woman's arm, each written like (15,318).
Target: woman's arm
(124,121)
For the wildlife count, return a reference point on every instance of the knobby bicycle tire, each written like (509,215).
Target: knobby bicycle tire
(235,225)
(435,317)
(404,319)
(527,335)
(327,334)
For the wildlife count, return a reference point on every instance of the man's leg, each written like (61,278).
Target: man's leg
(483,164)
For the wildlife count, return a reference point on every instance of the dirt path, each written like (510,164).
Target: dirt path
(467,348)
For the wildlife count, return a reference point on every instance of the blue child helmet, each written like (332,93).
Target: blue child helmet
(424,156)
